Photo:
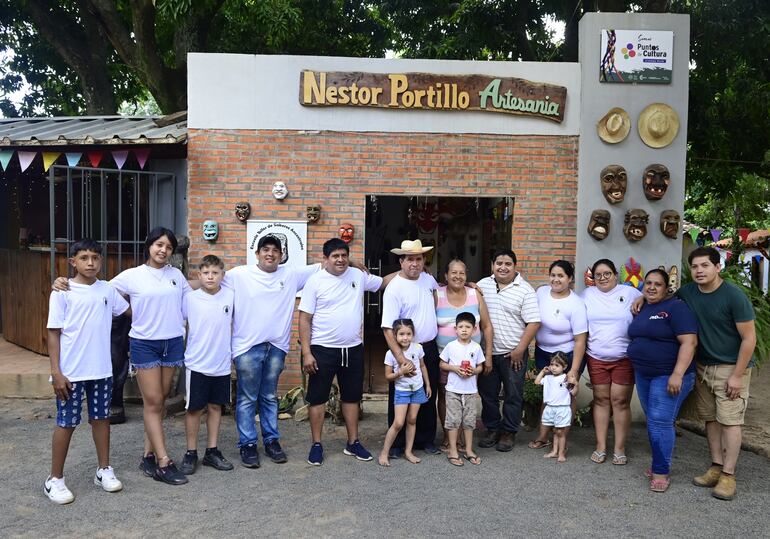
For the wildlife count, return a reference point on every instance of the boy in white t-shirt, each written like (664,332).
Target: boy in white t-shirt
(79,323)
(463,359)
(207,357)
(557,396)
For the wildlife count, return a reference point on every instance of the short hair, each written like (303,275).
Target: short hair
(334,244)
(269,239)
(663,273)
(403,322)
(454,261)
(86,244)
(211,260)
(710,252)
(606,262)
(505,252)
(465,316)
(154,235)
(565,265)
(559,358)
(402,257)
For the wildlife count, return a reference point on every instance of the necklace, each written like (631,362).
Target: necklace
(158,278)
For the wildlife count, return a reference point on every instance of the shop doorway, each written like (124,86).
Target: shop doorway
(469,228)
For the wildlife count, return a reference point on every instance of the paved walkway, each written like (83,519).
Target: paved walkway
(516,494)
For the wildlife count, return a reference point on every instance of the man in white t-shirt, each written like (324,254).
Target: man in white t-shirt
(515,317)
(411,295)
(264,304)
(330,323)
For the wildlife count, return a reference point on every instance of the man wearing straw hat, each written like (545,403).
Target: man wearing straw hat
(411,295)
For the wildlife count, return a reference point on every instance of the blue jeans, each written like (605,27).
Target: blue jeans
(513,395)
(661,410)
(258,370)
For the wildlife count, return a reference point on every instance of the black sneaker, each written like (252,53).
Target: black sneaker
(250,456)
(149,465)
(169,474)
(117,415)
(396,453)
(189,463)
(490,439)
(216,460)
(274,452)
(431,449)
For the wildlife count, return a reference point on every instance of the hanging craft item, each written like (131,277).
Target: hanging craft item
(49,158)
(635,224)
(614,183)
(5,158)
(715,233)
(347,232)
(313,214)
(599,224)
(655,181)
(25,159)
(614,126)
(280,191)
(743,233)
(632,274)
(588,278)
(669,223)
(242,211)
(427,217)
(673,280)
(658,125)
(210,230)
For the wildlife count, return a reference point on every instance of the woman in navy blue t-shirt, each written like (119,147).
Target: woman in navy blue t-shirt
(663,340)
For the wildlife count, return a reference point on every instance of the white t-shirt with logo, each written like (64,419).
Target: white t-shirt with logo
(414,354)
(84,315)
(455,353)
(156,301)
(413,299)
(210,320)
(609,315)
(560,320)
(264,304)
(337,306)
(555,391)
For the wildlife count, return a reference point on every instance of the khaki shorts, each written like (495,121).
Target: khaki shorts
(460,411)
(711,401)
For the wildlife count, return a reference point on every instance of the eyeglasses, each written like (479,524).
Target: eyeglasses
(605,275)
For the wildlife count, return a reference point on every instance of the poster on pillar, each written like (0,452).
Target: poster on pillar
(291,234)
(636,56)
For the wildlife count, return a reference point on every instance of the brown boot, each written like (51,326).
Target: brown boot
(505,443)
(725,489)
(490,438)
(708,479)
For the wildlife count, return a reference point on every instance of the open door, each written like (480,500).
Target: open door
(468,228)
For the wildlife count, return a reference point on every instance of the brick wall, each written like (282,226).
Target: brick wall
(336,169)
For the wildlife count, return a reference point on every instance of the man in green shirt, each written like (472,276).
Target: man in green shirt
(726,341)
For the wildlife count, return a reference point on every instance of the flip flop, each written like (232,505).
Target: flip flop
(619,460)
(539,444)
(455,461)
(648,473)
(598,456)
(660,485)
(473,459)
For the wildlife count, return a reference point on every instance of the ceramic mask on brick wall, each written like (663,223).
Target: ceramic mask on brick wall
(347,232)
(210,230)
(313,214)
(280,191)
(242,211)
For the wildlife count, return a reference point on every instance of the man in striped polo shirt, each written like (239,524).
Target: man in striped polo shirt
(515,317)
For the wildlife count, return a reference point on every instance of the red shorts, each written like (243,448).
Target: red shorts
(619,372)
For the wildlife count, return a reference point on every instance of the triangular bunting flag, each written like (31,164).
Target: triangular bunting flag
(743,233)
(142,154)
(120,157)
(5,158)
(694,233)
(73,158)
(25,159)
(715,233)
(49,158)
(95,158)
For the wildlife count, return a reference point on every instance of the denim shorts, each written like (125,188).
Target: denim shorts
(146,354)
(418,396)
(557,416)
(98,394)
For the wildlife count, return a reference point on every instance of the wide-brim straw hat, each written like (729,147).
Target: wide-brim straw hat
(658,125)
(614,126)
(409,247)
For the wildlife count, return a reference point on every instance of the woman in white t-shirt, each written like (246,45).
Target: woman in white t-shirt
(563,328)
(608,307)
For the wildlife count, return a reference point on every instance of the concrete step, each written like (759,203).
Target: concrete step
(23,373)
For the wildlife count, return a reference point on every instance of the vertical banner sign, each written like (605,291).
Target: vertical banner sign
(636,56)
(292,235)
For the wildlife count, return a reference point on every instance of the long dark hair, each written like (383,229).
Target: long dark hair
(155,234)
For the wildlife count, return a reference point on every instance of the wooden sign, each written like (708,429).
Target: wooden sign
(432,92)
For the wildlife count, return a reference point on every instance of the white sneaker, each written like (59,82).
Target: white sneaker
(105,478)
(57,491)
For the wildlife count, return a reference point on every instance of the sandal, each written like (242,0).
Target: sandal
(648,473)
(598,456)
(619,460)
(455,461)
(660,485)
(539,444)
(473,459)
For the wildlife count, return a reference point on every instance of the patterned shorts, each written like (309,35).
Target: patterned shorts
(98,394)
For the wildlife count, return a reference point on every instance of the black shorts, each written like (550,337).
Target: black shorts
(203,389)
(347,364)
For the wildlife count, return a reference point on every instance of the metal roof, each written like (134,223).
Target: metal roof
(94,130)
